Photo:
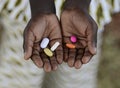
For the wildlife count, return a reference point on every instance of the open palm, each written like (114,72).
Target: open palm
(39,27)
(80,24)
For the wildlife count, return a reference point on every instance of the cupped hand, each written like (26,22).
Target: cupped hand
(39,27)
(80,24)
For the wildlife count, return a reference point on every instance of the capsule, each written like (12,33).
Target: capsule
(54,47)
(44,43)
(73,39)
(48,52)
(71,46)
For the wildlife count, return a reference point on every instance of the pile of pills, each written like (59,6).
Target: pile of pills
(73,39)
(47,51)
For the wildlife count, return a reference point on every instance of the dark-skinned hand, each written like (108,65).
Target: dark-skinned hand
(39,27)
(79,23)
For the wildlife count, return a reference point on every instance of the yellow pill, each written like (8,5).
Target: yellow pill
(70,46)
(48,52)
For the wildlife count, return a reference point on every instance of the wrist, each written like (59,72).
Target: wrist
(42,6)
(79,4)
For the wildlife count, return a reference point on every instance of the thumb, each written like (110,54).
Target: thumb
(92,39)
(29,39)
(92,48)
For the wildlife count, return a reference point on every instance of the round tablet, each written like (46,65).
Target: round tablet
(44,43)
(73,39)
(48,52)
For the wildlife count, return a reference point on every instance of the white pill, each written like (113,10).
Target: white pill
(44,43)
(54,47)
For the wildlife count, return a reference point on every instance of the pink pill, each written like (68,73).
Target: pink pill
(73,39)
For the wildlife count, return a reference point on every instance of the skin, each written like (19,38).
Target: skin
(75,20)
(78,22)
(39,27)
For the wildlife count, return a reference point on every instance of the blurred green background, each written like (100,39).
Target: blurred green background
(109,66)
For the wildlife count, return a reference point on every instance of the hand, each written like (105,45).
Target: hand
(39,27)
(79,23)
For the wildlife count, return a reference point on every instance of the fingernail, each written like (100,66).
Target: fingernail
(39,65)
(85,60)
(71,63)
(47,68)
(59,60)
(55,68)
(95,50)
(25,56)
(78,64)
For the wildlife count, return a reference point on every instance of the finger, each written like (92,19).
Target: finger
(56,36)
(54,63)
(87,56)
(92,39)
(71,57)
(65,49)
(36,56)
(78,64)
(37,47)
(65,53)
(29,39)
(47,66)
(53,60)
(59,50)
(37,60)
(59,55)
(79,55)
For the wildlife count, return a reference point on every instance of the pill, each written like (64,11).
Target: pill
(70,46)
(48,52)
(44,43)
(54,47)
(73,39)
